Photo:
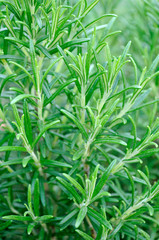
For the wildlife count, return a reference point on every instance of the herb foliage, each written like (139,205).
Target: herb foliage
(71,162)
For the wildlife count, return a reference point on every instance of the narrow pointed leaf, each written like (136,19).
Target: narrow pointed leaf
(76,121)
(132,184)
(75,183)
(30,228)
(56,93)
(69,216)
(17,218)
(12,148)
(27,123)
(81,215)
(22,96)
(36,198)
(84,235)
(99,218)
(109,141)
(48,126)
(54,163)
(104,178)
(69,188)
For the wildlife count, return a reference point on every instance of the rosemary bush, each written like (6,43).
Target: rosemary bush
(73,163)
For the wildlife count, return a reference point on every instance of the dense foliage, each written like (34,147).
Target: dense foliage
(79,127)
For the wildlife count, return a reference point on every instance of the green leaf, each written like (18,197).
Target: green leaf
(24,70)
(75,183)
(16,114)
(34,65)
(77,70)
(42,191)
(26,160)
(93,180)
(116,229)
(76,121)
(12,148)
(43,50)
(16,173)
(133,131)
(54,163)
(44,218)
(109,141)
(65,58)
(132,184)
(109,112)
(16,40)
(69,44)
(152,67)
(94,21)
(143,105)
(150,209)
(69,188)
(29,197)
(17,218)
(148,152)
(5,225)
(99,218)
(11,162)
(17,90)
(124,90)
(57,92)
(100,233)
(109,58)
(92,87)
(28,12)
(22,96)
(84,235)
(135,68)
(124,54)
(6,79)
(46,127)
(12,8)
(143,175)
(71,215)
(100,195)
(108,27)
(78,154)
(91,114)
(30,228)
(36,197)
(81,215)
(49,68)
(89,8)
(27,123)
(104,178)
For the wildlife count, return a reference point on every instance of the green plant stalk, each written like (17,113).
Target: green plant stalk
(29,150)
(6,66)
(87,147)
(33,155)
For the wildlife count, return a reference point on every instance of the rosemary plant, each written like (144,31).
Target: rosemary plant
(71,158)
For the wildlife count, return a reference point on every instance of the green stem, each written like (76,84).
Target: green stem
(32,154)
